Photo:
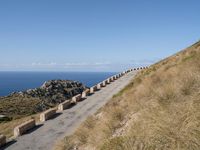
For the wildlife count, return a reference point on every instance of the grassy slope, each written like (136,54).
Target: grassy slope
(159,109)
(6,128)
(17,107)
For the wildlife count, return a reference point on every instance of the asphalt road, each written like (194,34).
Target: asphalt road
(45,136)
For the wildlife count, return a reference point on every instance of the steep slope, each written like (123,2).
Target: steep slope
(159,109)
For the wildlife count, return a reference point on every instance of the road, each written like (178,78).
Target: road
(45,136)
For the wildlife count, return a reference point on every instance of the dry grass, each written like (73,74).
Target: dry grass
(166,99)
(16,107)
(6,128)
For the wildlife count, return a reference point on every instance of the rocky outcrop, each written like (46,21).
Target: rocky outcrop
(55,91)
(36,100)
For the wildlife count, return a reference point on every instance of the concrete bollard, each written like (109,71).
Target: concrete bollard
(79,97)
(2,140)
(73,100)
(111,79)
(117,76)
(92,90)
(83,95)
(103,84)
(108,81)
(99,86)
(95,88)
(76,98)
(23,128)
(47,114)
(64,105)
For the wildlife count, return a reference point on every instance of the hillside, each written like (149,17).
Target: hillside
(159,109)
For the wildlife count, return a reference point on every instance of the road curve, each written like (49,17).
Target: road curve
(44,137)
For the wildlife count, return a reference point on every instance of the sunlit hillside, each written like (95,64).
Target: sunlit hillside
(159,109)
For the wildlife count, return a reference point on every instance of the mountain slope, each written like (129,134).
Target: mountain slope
(159,109)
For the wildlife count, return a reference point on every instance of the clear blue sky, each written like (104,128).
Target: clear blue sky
(93,35)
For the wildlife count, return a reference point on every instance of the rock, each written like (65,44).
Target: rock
(32,101)
(55,91)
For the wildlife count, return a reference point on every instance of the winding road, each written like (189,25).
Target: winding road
(45,136)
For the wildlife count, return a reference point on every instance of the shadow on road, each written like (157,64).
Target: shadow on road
(71,105)
(82,99)
(13,141)
(34,129)
(8,144)
(55,116)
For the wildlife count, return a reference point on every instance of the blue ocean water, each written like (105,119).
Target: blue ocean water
(20,81)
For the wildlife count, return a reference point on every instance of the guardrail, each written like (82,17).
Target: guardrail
(85,93)
(64,105)
(48,114)
(108,81)
(76,99)
(24,127)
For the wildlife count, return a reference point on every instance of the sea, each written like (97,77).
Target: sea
(21,81)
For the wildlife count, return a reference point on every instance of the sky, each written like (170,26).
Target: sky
(93,35)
